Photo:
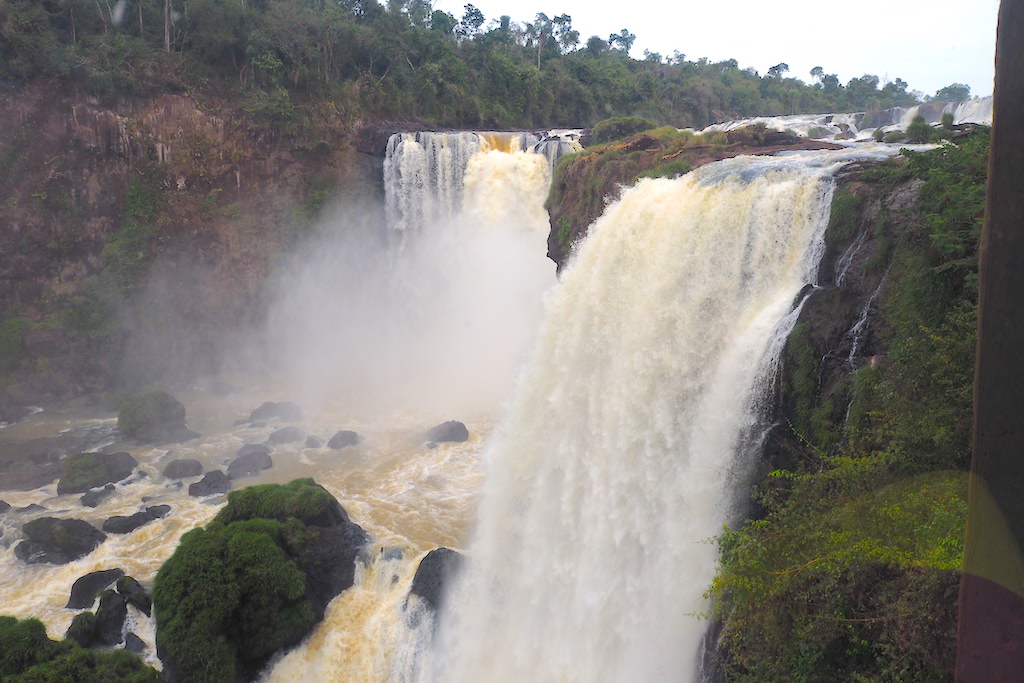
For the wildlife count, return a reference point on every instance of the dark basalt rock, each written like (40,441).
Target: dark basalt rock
(86,471)
(158,511)
(249,465)
(120,524)
(134,644)
(214,482)
(344,439)
(4,507)
(57,541)
(284,411)
(448,431)
(135,594)
(96,496)
(286,435)
(183,468)
(314,441)
(37,462)
(33,507)
(434,574)
(110,616)
(253,449)
(86,588)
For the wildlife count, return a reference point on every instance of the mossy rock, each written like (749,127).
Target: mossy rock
(86,471)
(57,541)
(253,582)
(155,416)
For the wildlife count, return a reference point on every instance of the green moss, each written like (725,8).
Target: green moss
(81,472)
(151,416)
(301,499)
(231,595)
(846,208)
(27,655)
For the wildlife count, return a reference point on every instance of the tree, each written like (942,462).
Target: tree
(596,45)
(777,70)
(954,92)
(624,39)
(818,73)
(471,22)
(565,35)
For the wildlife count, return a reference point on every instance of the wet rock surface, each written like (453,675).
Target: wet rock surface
(285,411)
(343,439)
(182,468)
(84,471)
(57,541)
(96,496)
(212,483)
(434,575)
(86,588)
(451,431)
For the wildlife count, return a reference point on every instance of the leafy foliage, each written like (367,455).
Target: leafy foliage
(150,416)
(232,594)
(852,572)
(27,655)
(399,61)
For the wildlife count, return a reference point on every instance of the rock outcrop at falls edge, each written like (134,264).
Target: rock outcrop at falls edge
(583,183)
(253,581)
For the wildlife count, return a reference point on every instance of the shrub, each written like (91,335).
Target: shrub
(817,132)
(878,135)
(919,131)
(894,136)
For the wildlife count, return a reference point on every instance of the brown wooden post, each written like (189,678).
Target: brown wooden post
(990,639)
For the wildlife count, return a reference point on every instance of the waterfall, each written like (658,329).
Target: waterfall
(635,425)
(425,173)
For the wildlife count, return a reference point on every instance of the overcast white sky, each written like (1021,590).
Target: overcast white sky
(928,43)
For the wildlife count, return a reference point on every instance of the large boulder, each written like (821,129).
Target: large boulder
(83,629)
(96,496)
(4,507)
(284,411)
(57,541)
(343,439)
(289,434)
(124,524)
(110,616)
(212,483)
(434,574)
(135,594)
(447,431)
(250,464)
(85,471)
(182,468)
(283,552)
(154,417)
(86,588)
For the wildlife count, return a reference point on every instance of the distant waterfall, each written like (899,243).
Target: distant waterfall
(635,426)
(425,173)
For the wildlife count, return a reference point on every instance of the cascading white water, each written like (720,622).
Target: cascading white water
(634,424)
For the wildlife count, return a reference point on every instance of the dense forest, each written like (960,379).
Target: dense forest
(292,60)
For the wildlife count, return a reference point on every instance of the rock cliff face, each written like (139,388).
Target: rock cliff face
(112,208)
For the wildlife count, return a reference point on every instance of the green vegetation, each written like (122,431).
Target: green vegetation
(301,499)
(28,656)
(12,350)
(81,472)
(152,416)
(232,594)
(128,251)
(614,129)
(398,60)
(851,573)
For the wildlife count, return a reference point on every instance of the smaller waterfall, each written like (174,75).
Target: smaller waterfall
(425,172)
